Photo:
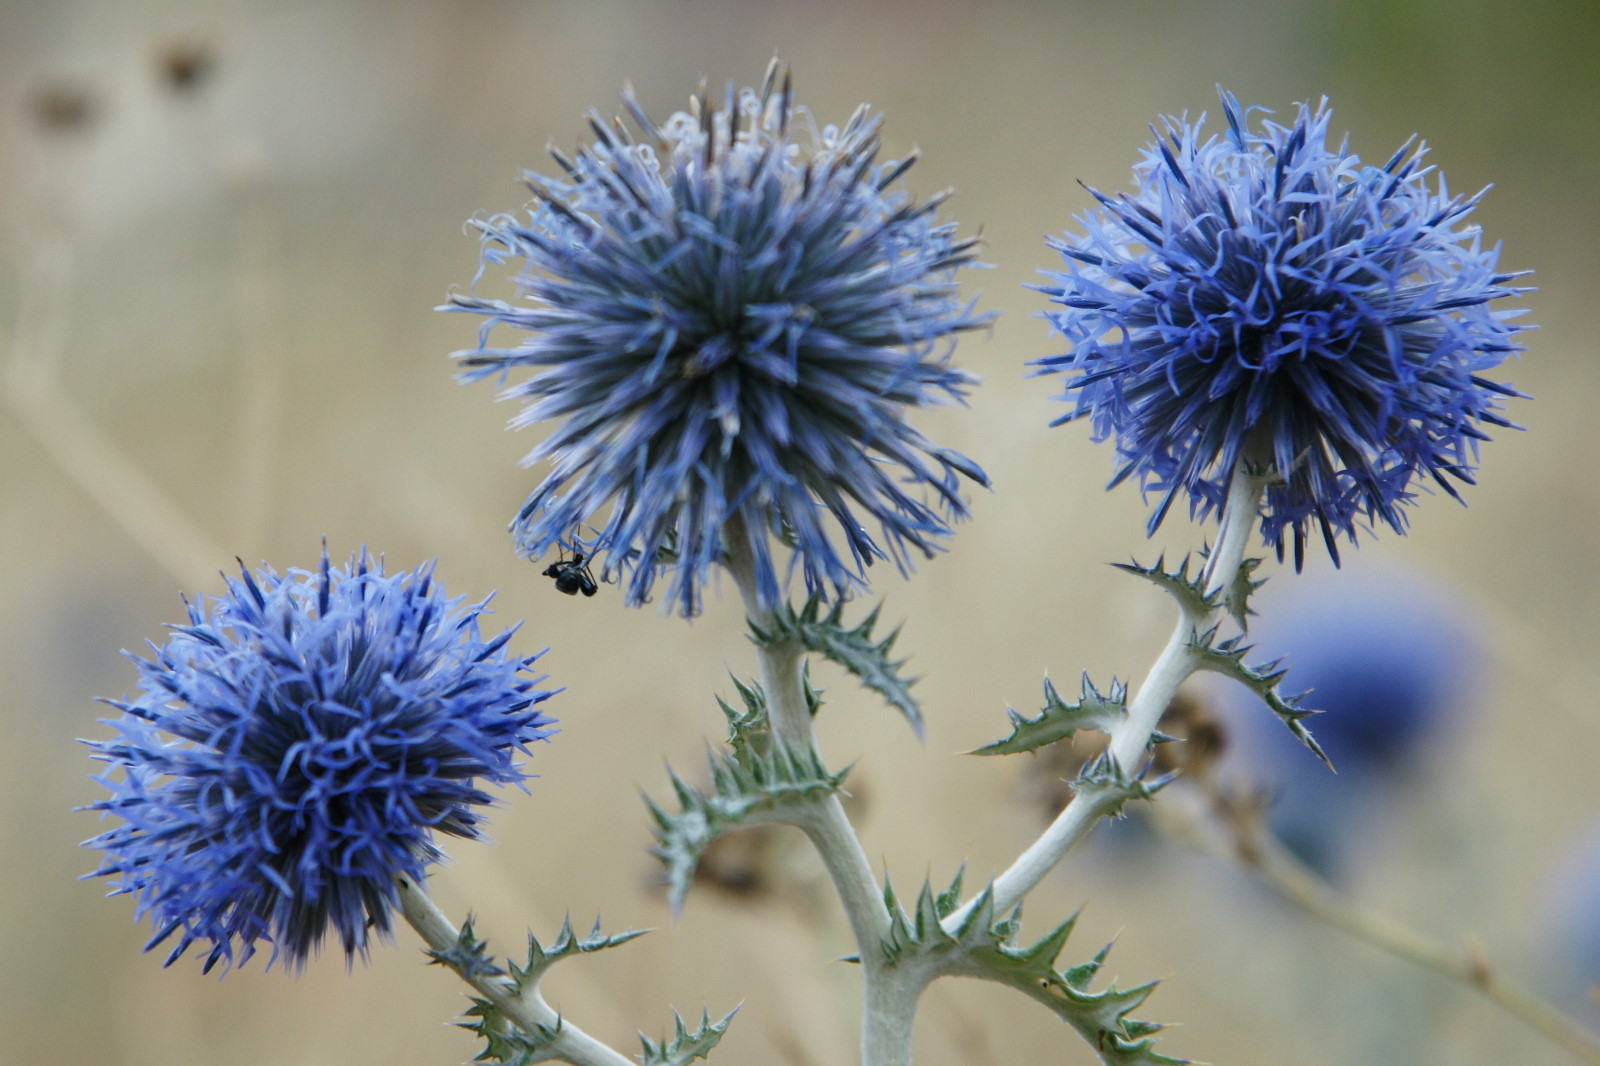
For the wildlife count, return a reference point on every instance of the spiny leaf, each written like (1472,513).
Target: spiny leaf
(748,729)
(503,1042)
(921,932)
(1236,597)
(1239,590)
(754,715)
(813,695)
(853,649)
(1109,786)
(1101,1018)
(747,787)
(468,956)
(565,945)
(1227,658)
(686,1046)
(984,946)
(1189,592)
(1060,720)
(948,900)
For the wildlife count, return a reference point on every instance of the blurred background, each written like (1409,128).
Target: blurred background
(223,228)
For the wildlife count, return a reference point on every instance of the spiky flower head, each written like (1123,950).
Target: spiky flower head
(728,319)
(297,744)
(1261,297)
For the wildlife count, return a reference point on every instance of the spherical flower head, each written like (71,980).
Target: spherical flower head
(297,745)
(1264,298)
(728,319)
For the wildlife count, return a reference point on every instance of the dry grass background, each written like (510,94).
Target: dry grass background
(230,288)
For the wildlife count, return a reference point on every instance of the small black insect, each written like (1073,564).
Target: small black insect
(572,576)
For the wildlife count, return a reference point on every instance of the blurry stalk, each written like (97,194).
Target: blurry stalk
(1223,826)
(95,462)
(237,162)
(114,481)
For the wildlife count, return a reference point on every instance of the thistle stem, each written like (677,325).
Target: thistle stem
(890,1013)
(1131,737)
(891,1001)
(1303,888)
(527,1009)
(790,717)
(1239,515)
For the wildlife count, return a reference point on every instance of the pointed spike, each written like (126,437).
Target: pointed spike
(927,921)
(951,896)
(981,914)
(1053,942)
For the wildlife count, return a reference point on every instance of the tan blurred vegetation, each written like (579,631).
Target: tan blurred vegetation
(224,229)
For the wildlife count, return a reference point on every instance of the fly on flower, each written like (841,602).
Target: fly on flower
(728,317)
(572,575)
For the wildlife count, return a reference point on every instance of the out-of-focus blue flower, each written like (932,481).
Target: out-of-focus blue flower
(297,744)
(1392,666)
(728,319)
(1262,297)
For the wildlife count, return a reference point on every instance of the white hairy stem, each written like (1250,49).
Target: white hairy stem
(783,683)
(1131,736)
(890,1015)
(890,998)
(527,1009)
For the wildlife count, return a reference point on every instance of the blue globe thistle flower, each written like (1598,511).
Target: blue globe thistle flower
(297,745)
(728,318)
(1262,297)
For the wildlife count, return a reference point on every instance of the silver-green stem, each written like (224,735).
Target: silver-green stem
(890,1015)
(1131,737)
(527,1009)
(825,821)
(890,998)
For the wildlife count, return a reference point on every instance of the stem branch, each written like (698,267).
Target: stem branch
(891,995)
(1131,736)
(790,718)
(528,1009)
